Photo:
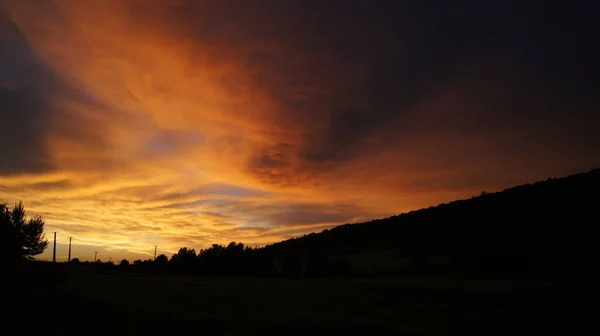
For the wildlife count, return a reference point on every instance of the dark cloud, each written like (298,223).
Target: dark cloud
(29,90)
(384,100)
(350,79)
(348,76)
(312,213)
(24,109)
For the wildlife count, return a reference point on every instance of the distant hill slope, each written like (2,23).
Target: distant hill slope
(544,227)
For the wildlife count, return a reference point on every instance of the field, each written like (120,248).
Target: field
(63,301)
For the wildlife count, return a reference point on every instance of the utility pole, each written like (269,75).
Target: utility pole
(69,258)
(95,255)
(155,246)
(54,251)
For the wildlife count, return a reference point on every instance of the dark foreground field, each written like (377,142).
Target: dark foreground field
(62,301)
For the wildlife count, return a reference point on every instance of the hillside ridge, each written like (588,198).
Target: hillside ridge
(535,226)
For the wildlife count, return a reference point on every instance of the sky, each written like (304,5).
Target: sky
(134,124)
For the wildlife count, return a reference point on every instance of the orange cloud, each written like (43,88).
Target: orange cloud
(184,123)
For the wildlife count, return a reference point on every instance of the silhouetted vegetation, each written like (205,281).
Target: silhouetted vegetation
(542,229)
(161,260)
(20,238)
(234,259)
(547,228)
(539,230)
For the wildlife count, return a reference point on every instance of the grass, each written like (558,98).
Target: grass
(75,302)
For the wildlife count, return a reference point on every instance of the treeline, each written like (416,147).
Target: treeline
(231,260)
(547,228)
(235,259)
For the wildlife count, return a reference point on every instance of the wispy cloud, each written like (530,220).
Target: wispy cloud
(129,124)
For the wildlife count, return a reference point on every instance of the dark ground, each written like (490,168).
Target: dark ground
(58,300)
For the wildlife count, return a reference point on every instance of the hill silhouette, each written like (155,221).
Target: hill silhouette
(548,228)
(527,233)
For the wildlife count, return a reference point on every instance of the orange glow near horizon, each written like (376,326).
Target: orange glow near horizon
(161,132)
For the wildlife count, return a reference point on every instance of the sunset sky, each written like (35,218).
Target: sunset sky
(130,124)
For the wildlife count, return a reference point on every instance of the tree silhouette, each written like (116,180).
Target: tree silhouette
(185,254)
(20,238)
(124,262)
(161,260)
(184,261)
